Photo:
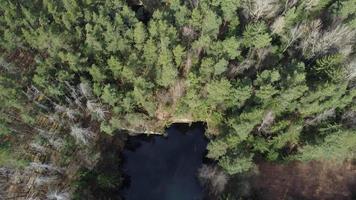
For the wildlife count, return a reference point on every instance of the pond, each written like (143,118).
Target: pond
(165,168)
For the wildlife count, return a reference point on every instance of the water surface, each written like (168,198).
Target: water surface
(165,168)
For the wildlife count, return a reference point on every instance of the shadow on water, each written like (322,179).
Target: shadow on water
(165,168)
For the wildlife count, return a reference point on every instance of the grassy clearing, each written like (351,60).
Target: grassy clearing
(11,160)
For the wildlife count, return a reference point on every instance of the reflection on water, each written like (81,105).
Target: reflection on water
(165,168)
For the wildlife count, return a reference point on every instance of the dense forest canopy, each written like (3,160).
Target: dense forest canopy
(272,79)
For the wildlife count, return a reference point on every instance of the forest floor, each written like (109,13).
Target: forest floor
(299,180)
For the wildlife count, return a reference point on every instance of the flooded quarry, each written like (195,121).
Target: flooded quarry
(159,167)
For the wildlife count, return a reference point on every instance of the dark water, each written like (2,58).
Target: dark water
(165,168)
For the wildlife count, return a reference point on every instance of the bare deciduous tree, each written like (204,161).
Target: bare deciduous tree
(261,8)
(278,25)
(38,148)
(85,90)
(311,4)
(351,67)
(267,121)
(292,34)
(327,114)
(45,180)
(349,119)
(80,134)
(57,195)
(96,109)
(318,42)
(189,32)
(213,178)
(43,168)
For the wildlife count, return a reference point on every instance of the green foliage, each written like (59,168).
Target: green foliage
(348,10)
(194,60)
(109,95)
(256,35)
(289,137)
(150,52)
(230,47)
(211,24)
(178,53)
(107,128)
(337,147)
(329,68)
(229,8)
(96,181)
(141,95)
(97,74)
(139,34)
(9,158)
(166,72)
(325,97)
(216,149)
(219,92)
(220,67)
(234,165)
(107,181)
(67,150)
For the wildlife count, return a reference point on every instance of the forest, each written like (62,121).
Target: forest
(273,80)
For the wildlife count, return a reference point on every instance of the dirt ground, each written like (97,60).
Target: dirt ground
(305,181)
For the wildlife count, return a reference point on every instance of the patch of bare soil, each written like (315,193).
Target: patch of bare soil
(305,181)
(21,58)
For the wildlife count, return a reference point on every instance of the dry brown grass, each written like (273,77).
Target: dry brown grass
(313,180)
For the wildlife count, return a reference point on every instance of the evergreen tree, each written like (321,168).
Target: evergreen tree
(270,78)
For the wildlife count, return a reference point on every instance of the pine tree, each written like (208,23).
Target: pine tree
(139,34)
(256,35)
(166,72)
